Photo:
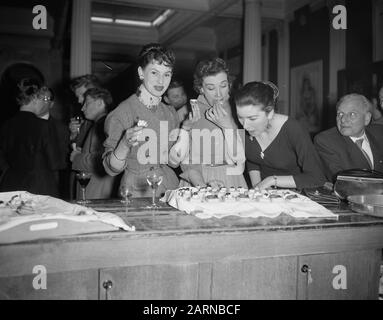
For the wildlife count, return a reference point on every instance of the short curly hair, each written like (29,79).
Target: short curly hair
(206,68)
(154,51)
(29,89)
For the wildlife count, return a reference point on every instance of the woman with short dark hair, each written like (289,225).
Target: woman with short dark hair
(125,151)
(211,155)
(278,151)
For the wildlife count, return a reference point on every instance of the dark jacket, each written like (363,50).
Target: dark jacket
(28,155)
(341,153)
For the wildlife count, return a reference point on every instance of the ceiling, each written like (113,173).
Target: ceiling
(193,28)
(198,26)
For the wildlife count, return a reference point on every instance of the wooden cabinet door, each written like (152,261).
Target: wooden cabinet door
(265,278)
(347,275)
(153,282)
(69,285)
(262,278)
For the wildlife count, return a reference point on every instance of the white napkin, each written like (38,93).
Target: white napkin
(19,207)
(300,207)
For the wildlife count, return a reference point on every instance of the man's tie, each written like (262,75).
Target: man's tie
(359,144)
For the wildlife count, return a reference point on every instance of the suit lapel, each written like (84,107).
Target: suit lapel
(357,159)
(376,152)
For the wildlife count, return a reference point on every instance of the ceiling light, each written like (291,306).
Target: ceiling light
(133,23)
(162,18)
(101,19)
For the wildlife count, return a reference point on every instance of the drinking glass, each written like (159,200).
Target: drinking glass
(83,179)
(125,194)
(78,119)
(154,180)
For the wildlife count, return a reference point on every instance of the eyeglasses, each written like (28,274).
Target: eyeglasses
(351,115)
(47,99)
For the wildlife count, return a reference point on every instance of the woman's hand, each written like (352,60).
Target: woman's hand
(193,117)
(196,179)
(131,135)
(219,116)
(266,183)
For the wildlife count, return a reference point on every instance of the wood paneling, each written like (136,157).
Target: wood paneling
(269,278)
(75,285)
(361,267)
(152,282)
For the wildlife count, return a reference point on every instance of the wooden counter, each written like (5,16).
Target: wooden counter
(173,255)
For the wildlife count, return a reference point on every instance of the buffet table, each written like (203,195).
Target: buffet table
(173,255)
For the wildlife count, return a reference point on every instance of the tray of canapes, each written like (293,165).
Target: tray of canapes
(207,202)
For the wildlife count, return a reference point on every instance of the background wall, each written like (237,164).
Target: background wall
(309,42)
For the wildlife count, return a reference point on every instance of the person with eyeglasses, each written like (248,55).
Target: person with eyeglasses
(354,143)
(28,150)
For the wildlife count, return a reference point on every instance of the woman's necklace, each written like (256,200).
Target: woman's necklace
(262,155)
(148,100)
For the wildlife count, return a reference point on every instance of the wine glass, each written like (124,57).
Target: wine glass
(83,179)
(125,194)
(154,180)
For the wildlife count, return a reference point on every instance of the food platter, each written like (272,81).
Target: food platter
(371,204)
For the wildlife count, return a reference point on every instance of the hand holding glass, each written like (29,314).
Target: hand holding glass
(75,124)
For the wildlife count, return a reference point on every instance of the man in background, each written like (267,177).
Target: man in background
(353,143)
(77,126)
(176,97)
(97,104)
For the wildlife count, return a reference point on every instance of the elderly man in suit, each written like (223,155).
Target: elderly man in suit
(353,143)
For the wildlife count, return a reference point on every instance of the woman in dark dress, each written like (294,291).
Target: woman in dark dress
(278,151)
(27,149)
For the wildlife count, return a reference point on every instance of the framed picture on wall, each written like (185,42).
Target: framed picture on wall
(306,96)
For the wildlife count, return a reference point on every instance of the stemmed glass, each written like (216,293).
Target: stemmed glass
(154,180)
(125,194)
(83,179)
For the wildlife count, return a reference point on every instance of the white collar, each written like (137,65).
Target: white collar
(45,116)
(364,137)
(146,98)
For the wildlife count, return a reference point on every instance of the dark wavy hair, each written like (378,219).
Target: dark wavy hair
(154,51)
(29,89)
(100,93)
(206,68)
(257,93)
